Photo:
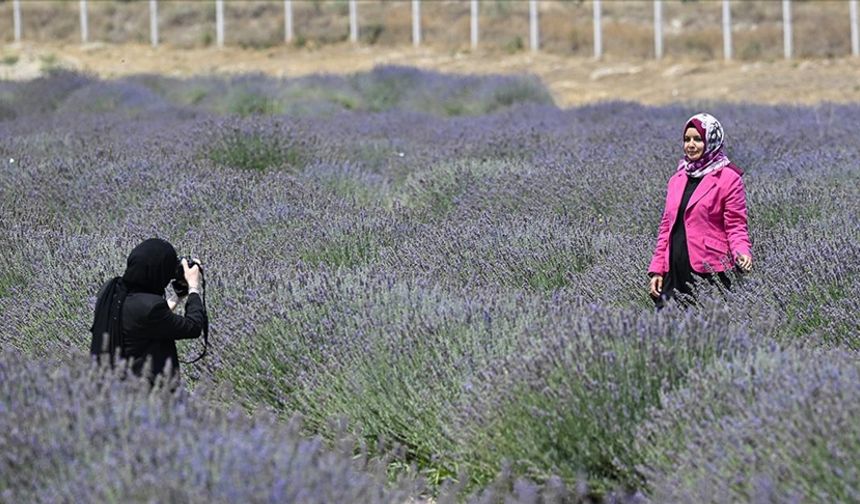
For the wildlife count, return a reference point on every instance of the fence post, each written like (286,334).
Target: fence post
(288,21)
(85,32)
(658,29)
(534,39)
(153,22)
(727,30)
(855,30)
(416,23)
(474,24)
(786,27)
(16,18)
(219,22)
(353,22)
(598,30)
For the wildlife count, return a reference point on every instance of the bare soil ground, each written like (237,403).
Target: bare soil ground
(573,80)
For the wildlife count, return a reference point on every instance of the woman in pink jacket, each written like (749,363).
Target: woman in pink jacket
(703,231)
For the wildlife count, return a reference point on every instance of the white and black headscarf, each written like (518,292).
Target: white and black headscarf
(714,157)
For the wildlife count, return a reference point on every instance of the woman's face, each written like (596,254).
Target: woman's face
(694,145)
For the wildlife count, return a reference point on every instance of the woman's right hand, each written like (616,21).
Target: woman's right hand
(656,285)
(192,275)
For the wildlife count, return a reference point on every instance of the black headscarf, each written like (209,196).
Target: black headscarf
(150,266)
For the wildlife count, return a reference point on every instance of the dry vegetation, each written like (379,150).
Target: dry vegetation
(572,80)
(692,71)
(692,27)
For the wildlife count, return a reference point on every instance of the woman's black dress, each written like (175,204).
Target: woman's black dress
(681,276)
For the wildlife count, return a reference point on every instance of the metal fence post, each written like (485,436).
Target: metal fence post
(786,27)
(85,32)
(288,21)
(534,39)
(598,30)
(353,22)
(219,22)
(855,30)
(153,22)
(658,29)
(727,30)
(474,23)
(416,23)
(16,19)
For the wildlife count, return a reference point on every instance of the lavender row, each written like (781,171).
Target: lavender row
(383,88)
(79,432)
(775,426)
(76,433)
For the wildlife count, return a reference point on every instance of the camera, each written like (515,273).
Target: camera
(180,285)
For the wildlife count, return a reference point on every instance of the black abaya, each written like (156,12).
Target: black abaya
(132,316)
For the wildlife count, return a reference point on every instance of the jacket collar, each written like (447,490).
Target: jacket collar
(680,179)
(708,182)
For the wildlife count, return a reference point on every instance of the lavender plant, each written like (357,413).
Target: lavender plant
(470,287)
(772,426)
(571,403)
(73,433)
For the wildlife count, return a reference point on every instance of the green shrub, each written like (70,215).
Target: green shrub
(254,152)
(244,104)
(342,251)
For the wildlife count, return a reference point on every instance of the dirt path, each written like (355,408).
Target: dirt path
(573,81)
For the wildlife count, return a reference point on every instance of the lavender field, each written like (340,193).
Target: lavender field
(422,286)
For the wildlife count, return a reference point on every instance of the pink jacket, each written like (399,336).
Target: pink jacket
(715,218)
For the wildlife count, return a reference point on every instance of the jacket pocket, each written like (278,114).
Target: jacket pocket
(717,246)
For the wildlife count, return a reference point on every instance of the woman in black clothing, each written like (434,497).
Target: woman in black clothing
(132,317)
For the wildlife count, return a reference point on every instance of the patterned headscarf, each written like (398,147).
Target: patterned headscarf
(713,157)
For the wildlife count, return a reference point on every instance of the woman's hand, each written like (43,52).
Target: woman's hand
(745,262)
(656,285)
(192,275)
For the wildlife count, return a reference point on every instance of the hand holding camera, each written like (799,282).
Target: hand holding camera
(192,273)
(188,277)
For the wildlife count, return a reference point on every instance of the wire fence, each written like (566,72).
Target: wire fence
(747,29)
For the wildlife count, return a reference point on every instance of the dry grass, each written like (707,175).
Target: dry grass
(692,71)
(572,80)
(692,28)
